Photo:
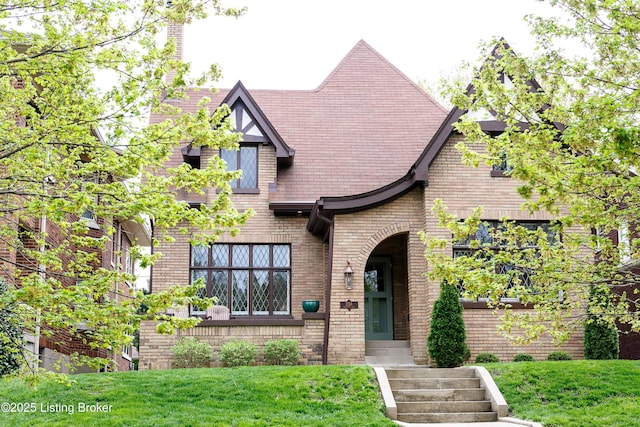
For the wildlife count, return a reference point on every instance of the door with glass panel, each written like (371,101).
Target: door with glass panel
(378,299)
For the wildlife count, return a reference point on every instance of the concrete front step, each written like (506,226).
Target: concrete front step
(439,395)
(433,383)
(425,395)
(397,373)
(444,407)
(391,351)
(388,353)
(386,344)
(389,360)
(462,417)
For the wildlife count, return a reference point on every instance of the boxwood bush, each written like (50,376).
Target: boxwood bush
(559,355)
(190,352)
(282,352)
(11,335)
(237,353)
(487,358)
(523,357)
(600,337)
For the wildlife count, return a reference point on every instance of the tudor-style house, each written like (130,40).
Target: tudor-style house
(342,178)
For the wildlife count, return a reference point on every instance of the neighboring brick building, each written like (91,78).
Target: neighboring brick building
(340,177)
(52,348)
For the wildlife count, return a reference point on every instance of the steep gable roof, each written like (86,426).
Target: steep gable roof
(487,124)
(239,93)
(418,173)
(361,129)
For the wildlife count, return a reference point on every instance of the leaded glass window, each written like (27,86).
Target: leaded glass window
(503,164)
(485,237)
(250,279)
(246,157)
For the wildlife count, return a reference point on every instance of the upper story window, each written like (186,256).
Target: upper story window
(246,158)
(502,167)
(249,279)
(485,238)
(89,216)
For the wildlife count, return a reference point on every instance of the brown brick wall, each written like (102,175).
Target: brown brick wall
(308,265)
(155,348)
(356,237)
(483,337)
(463,188)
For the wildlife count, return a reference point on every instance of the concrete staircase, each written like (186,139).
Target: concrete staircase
(388,353)
(424,395)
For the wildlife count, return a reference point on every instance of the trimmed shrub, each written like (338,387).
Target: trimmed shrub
(446,342)
(11,335)
(487,358)
(559,355)
(282,352)
(600,337)
(190,352)
(523,357)
(237,353)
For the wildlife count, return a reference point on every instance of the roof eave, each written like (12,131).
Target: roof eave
(327,207)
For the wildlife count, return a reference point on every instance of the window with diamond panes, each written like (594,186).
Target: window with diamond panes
(246,159)
(484,236)
(250,279)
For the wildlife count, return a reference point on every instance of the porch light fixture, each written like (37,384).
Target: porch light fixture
(348,276)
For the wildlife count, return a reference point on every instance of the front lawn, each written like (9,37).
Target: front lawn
(557,394)
(579,393)
(255,396)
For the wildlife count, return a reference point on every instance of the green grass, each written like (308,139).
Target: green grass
(256,396)
(580,393)
(556,394)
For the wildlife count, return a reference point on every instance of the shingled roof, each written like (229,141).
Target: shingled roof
(361,129)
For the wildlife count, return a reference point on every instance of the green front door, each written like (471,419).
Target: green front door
(378,299)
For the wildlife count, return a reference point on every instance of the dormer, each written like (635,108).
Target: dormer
(248,119)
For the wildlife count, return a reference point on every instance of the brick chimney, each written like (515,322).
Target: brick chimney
(175,31)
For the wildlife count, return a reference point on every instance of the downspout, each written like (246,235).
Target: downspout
(118,236)
(42,267)
(42,272)
(327,297)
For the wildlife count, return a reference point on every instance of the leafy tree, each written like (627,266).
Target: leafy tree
(600,333)
(11,336)
(85,66)
(574,145)
(446,341)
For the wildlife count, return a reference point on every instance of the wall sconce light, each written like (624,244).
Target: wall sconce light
(348,276)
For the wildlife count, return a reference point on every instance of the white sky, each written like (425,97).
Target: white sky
(294,44)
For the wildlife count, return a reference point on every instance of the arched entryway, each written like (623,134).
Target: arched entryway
(386,291)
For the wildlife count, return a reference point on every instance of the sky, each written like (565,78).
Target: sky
(295,44)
